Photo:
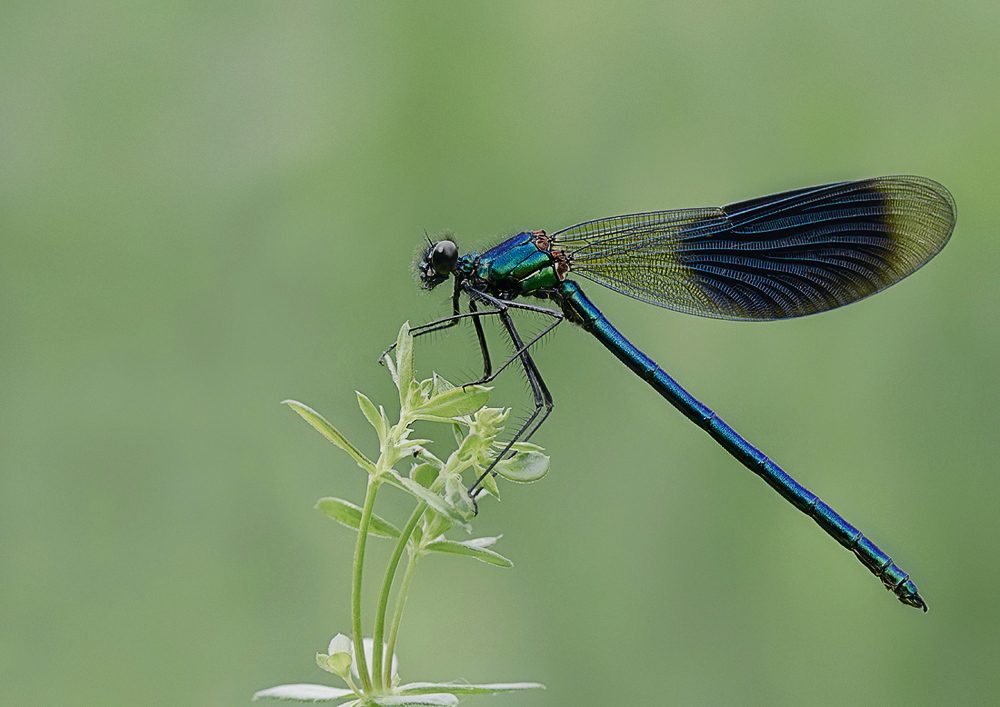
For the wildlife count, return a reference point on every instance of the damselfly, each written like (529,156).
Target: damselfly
(774,257)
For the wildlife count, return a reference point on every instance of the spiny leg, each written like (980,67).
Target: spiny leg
(436,325)
(501,307)
(530,426)
(446,323)
(521,350)
(487,364)
(543,406)
(540,392)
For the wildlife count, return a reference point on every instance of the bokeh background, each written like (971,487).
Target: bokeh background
(208,208)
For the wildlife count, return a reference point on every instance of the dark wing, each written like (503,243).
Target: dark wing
(778,256)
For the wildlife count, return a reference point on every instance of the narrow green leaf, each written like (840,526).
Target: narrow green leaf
(431,499)
(391,365)
(526,447)
(346,513)
(305,692)
(413,446)
(485,541)
(523,467)
(425,455)
(331,433)
(417,688)
(455,402)
(373,416)
(451,547)
(422,494)
(489,483)
(404,362)
(443,699)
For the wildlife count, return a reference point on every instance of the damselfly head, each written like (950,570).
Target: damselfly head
(437,263)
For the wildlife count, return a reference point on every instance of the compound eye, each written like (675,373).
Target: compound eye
(444,255)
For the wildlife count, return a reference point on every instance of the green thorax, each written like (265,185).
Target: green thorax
(521,265)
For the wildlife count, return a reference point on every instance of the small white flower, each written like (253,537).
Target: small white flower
(339,657)
(340,644)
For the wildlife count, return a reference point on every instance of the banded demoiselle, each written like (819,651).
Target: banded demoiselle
(775,257)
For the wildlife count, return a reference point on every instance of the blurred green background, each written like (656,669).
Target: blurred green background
(208,208)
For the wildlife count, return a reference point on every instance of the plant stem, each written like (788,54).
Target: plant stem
(359,559)
(411,565)
(383,600)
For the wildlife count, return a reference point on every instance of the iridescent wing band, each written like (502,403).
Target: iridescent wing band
(774,257)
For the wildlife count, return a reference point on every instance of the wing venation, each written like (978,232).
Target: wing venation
(774,257)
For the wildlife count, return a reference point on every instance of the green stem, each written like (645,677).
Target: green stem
(404,588)
(383,600)
(411,564)
(350,684)
(359,560)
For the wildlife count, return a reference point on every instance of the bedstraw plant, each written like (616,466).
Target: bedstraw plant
(442,505)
